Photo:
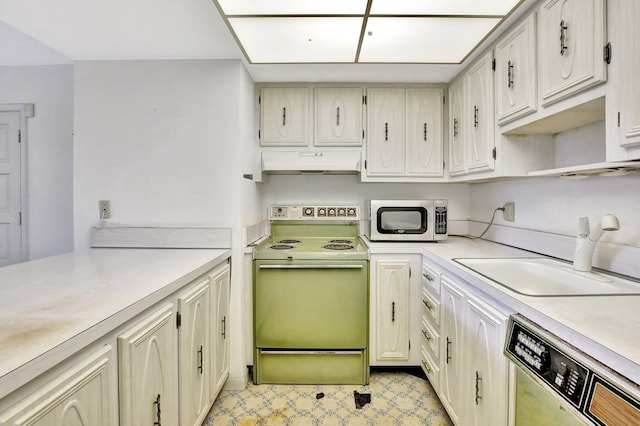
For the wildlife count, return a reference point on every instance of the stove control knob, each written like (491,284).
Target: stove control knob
(308,211)
(351,212)
(332,211)
(322,211)
(342,211)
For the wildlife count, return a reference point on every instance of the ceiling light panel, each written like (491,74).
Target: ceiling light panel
(293,7)
(298,40)
(442,7)
(422,40)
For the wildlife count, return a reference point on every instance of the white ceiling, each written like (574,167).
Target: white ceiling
(45,31)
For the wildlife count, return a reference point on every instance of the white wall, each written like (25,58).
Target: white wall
(547,211)
(168,142)
(49,152)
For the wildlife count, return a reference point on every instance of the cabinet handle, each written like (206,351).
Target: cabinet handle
(337,116)
(425,132)
(156,403)
(475,116)
(224,327)
(455,127)
(284,116)
(478,384)
(386,131)
(563,37)
(428,277)
(426,367)
(427,304)
(426,336)
(393,311)
(200,359)
(509,75)
(448,357)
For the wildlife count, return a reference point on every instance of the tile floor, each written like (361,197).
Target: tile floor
(397,398)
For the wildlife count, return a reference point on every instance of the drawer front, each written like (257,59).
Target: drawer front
(430,368)
(430,278)
(430,338)
(431,307)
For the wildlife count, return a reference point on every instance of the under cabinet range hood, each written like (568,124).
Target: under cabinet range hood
(311,162)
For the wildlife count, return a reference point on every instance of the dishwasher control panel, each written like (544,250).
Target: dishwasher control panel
(546,361)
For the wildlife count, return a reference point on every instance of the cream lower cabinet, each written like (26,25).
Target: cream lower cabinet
(220,286)
(474,372)
(148,372)
(84,395)
(393,322)
(195,378)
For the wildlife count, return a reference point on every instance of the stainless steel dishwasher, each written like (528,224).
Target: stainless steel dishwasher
(557,384)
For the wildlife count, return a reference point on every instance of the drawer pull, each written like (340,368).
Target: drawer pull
(478,385)
(448,357)
(426,335)
(158,422)
(428,277)
(427,304)
(426,367)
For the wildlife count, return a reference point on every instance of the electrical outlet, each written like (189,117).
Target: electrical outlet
(105,209)
(509,213)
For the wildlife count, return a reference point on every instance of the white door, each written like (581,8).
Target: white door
(457,163)
(385,138)
(220,293)
(10,189)
(338,117)
(424,132)
(480,113)
(393,309)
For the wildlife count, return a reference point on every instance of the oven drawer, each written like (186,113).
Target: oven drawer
(431,307)
(311,367)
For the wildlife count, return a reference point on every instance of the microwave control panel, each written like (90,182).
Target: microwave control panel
(537,355)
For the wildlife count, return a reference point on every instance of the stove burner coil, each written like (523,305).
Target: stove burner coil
(289,241)
(341,241)
(282,246)
(338,247)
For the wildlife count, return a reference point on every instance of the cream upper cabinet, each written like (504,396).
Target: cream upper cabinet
(479,115)
(457,164)
(487,369)
(423,153)
(623,90)
(84,395)
(284,116)
(338,116)
(571,39)
(148,373)
(195,374)
(220,284)
(404,137)
(385,136)
(516,74)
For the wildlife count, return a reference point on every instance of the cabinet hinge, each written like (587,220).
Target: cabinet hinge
(20,218)
(494,153)
(19,136)
(606,53)
(444,165)
(409,345)
(178,320)
(258,134)
(364,99)
(493,64)
(362,134)
(618,118)
(259,100)
(409,272)
(444,100)
(365,164)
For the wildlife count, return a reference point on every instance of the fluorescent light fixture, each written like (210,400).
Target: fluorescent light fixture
(362,31)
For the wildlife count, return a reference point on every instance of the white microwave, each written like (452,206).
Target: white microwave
(406,220)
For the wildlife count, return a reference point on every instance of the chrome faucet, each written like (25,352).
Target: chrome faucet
(586,241)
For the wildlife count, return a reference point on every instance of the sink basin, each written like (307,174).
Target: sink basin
(543,277)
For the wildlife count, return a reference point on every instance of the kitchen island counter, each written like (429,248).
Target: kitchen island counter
(605,327)
(53,307)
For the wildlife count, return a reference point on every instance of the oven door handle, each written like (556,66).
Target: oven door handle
(267,352)
(310,266)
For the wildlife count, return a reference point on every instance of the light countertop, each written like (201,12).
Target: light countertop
(605,327)
(51,307)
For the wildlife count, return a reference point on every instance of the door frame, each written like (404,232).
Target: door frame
(25,111)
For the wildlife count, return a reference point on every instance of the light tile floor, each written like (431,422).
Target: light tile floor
(396,399)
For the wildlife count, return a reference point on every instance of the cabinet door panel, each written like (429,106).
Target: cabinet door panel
(452,349)
(284,116)
(385,138)
(516,73)
(457,163)
(195,347)
(480,116)
(147,370)
(424,133)
(81,396)
(393,309)
(338,117)
(572,35)
(220,282)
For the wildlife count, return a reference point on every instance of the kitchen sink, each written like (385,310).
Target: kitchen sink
(544,277)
